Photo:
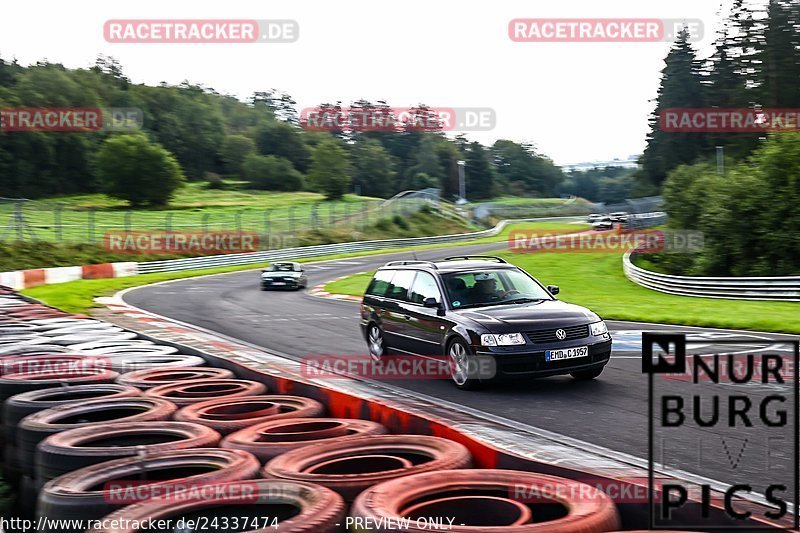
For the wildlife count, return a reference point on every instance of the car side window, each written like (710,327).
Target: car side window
(380,282)
(401,282)
(424,287)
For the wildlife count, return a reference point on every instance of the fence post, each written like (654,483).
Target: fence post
(91,217)
(331,213)
(204,223)
(314,222)
(128,215)
(237,217)
(168,223)
(291,218)
(57,222)
(267,229)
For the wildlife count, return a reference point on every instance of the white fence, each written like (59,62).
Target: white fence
(786,288)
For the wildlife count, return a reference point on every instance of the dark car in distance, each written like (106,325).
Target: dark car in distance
(473,308)
(283,275)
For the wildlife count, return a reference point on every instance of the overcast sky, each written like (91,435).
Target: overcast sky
(575,101)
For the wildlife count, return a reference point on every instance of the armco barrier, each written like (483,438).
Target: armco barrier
(325,249)
(785,288)
(23,279)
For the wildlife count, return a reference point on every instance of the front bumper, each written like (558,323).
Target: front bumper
(530,362)
(284,284)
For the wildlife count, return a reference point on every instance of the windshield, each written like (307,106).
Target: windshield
(281,267)
(492,287)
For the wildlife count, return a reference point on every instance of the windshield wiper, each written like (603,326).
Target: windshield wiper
(524,300)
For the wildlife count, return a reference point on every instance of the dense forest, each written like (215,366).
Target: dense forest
(745,203)
(212,136)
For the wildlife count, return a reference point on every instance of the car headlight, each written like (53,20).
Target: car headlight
(502,339)
(598,328)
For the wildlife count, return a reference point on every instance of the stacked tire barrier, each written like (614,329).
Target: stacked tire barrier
(93,438)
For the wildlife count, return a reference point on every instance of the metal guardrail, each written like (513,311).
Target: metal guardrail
(784,288)
(189,263)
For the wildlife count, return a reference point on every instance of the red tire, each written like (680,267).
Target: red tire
(490,500)
(270,439)
(315,509)
(153,377)
(227,415)
(189,392)
(77,448)
(351,465)
(97,490)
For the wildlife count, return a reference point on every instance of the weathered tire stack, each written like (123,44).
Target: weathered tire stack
(143,431)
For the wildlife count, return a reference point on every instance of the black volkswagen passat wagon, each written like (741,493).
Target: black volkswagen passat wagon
(478,308)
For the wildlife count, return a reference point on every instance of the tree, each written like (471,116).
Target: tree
(234,150)
(133,168)
(283,140)
(520,163)
(373,169)
(271,173)
(681,87)
(478,172)
(328,173)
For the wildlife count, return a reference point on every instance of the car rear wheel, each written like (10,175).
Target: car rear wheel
(586,375)
(375,342)
(459,360)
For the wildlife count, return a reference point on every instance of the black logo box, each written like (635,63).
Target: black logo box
(664,366)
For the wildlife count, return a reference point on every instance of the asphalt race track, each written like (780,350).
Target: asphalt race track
(611,411)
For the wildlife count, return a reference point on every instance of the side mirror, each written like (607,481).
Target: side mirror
(553,289)
(430,302)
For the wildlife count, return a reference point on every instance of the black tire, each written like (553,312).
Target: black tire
(458,354)
(587,375)
(21,405)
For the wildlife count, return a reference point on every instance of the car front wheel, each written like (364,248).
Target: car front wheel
(459,360)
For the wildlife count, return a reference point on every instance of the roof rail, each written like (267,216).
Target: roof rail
(403,263)
(460,257)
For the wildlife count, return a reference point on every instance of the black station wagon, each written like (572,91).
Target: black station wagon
(478,308)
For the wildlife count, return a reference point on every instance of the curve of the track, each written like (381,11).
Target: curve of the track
(610,412)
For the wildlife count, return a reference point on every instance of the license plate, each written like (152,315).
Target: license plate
(278,283)
(566,353)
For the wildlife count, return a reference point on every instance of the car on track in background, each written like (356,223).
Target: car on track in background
(619,216)
(594,217)
(284,275)
(603,223)
(471,309)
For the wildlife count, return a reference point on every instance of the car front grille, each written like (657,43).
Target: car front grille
(549,335)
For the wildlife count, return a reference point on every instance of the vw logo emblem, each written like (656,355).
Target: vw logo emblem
(561,334)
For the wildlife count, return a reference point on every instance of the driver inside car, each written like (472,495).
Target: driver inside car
(485,290)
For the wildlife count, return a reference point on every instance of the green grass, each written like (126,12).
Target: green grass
(194,207)
(596,281)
